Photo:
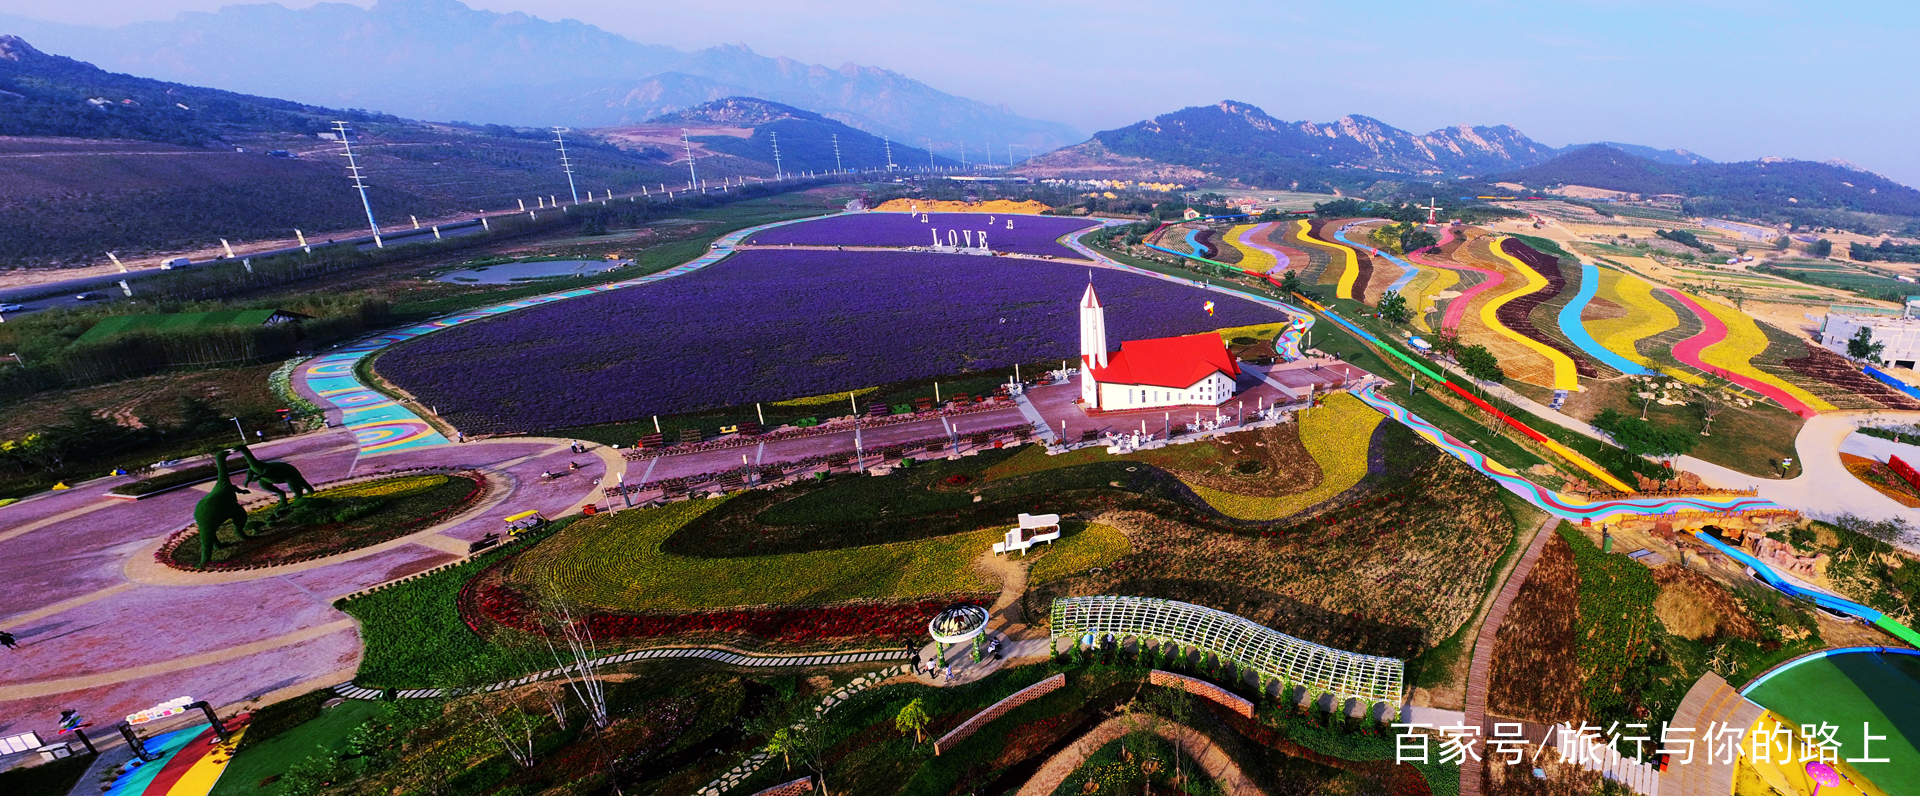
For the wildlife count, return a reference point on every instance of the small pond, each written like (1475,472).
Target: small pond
(507,273)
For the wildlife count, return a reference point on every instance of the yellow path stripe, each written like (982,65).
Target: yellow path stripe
(199,779)
(1252,259)
(1345,258)
(1646,317)
(1564,375)
(1423,287)
(1744,342)
(66,605)
(1586,464)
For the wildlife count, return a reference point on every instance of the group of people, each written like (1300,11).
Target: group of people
(934,669)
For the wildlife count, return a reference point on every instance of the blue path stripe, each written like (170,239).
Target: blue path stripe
(1576,331)
(1398,284)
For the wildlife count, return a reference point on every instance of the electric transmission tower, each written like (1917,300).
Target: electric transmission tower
(693,177)
(778,174)
(566,164)
(888,143)
(837,168)
(353,170)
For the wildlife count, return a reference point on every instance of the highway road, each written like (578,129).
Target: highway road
(64,293)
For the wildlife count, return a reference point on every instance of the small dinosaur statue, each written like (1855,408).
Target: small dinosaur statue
(222,504)
(270,474)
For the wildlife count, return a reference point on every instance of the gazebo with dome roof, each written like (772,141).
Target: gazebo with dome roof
(960,623)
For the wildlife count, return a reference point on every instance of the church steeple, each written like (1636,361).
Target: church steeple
(1093,329)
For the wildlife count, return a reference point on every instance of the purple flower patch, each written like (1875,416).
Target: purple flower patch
(1029,235)
(771,325)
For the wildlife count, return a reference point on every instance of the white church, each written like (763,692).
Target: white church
(1194,370)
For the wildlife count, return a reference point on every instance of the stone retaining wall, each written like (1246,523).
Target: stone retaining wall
(1203,689)
(998,709)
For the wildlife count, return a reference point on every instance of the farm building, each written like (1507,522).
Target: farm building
(1899,335)
(180,321)
(1192,370)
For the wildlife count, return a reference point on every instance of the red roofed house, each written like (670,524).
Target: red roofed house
(1194,370)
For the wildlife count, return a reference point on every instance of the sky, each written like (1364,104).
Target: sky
(1728,80)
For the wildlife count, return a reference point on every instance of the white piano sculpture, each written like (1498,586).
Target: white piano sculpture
(1034,529)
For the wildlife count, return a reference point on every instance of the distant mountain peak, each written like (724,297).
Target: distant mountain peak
(740,112)
(14,48)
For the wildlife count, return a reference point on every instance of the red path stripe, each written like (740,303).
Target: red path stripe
(176,766)
(1713,331)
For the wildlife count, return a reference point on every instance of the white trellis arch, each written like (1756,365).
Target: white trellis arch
(1267,652)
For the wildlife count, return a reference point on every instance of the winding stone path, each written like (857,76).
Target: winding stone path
(1481,670)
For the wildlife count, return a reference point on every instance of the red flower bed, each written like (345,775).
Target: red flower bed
(506,606)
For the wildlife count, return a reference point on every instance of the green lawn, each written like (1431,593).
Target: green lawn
(616,562)
(274,756)
(1882,691)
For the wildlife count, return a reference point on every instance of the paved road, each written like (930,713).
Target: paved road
(106,630)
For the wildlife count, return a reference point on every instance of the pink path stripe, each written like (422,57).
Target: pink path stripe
(1713,331)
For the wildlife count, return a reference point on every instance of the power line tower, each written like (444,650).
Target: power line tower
(693,177)
(778,173)
(566,164)
(837,168)
(353,171)
(888,143)
(929,156)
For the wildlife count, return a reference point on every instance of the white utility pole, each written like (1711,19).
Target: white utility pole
(885,142)
(837,168)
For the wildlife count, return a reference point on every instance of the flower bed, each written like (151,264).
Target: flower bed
(772,325)
(1029,235)
(394,504)
(493,605)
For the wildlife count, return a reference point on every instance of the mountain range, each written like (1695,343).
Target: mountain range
(440,59)
(1236,140)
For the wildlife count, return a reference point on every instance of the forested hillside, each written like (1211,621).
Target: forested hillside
(1759,188)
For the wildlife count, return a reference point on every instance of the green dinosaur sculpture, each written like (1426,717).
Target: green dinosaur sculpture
(221,504)
(269,474)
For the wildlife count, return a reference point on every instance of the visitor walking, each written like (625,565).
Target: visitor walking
(7,640)
(949,671)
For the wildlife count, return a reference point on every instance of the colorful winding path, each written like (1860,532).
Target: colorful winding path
(1249,240)
(1347,258)
(1714,332)
(1409,269)
(382,425)
(1565,373)
(1576,330)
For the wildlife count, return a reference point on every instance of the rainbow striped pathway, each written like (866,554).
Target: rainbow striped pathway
(1410,269)
(1254,236)
(381,424)
(190,762)
(1298,320)
(1562,506)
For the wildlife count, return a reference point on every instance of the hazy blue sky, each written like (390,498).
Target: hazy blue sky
(1732,80)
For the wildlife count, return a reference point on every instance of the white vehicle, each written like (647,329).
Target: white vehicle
(13,308)
(176,264)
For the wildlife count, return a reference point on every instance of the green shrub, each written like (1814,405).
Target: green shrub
(270,721)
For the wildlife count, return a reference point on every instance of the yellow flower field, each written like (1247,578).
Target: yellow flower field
(1336,434)
(1252,259)
(1646,316)
(1744,342)
(1565,377)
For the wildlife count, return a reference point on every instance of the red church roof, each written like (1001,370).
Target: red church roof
(1175,362)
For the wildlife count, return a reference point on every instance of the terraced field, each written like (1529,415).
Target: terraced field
(1519,357)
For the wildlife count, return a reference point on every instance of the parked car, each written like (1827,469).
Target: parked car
(13,308)
(90,296)
(176,264)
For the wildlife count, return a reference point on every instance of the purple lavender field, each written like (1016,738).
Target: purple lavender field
(1030,234)
(773,325)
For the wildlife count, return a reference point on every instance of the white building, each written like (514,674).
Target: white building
(1195,370)
(1899,335)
